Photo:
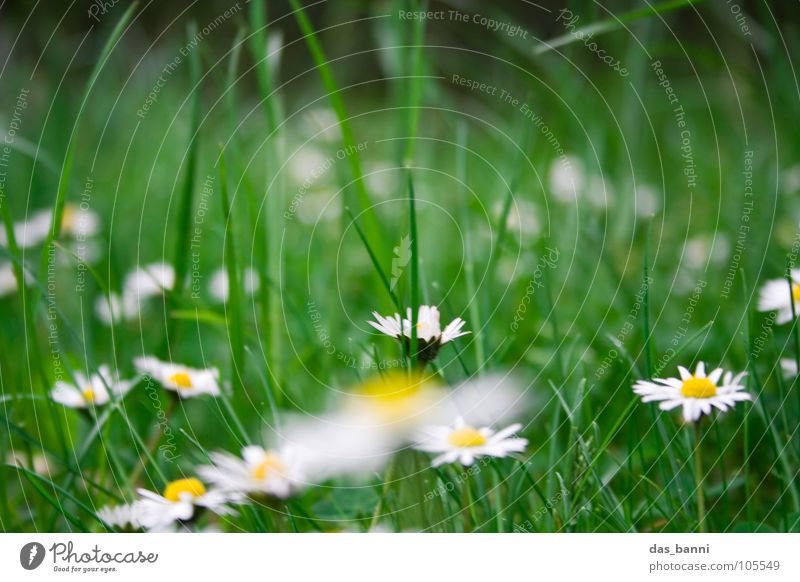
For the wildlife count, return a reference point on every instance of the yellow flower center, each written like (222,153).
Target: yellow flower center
(181,380)
(270,464)
(175,489)
(466,437)
(88,395)
(68,217)
(392,387)
(796,292)
(397,395)
(698,388)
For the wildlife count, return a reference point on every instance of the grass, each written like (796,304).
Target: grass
(317,209)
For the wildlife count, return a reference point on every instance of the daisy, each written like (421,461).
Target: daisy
(149,281)
(8,280)
(30,232)
(566,178)
(219,286)
(79,221)
(789,367)
(775,296)
(257,471)
(180,502)
(698,393)
(95,390)
(338,444)
(648,200)
(115,308)
(187,382)
(430,335)
(464,443)
(120,516)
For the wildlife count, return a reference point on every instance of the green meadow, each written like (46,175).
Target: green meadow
(601,192)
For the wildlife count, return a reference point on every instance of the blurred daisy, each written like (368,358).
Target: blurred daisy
(322,123)
(647,200)
(149,281)
(257,471)
(381,179)
(393,400)
(219,285)
(96,390)
(187,382)
(308,166)
(120,516)
(790,179)
(79,222)
(8,281)
(180,502)
(566,178)
(789,368)
(41,464)
(321,205)
(522,217)
(491,398)
(339,444)
(115,308)
(697,393)
(430,335)
(776,295)
(701,249)
(464,443)
(30,232)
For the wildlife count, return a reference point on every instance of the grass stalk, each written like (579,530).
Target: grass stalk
(698,479)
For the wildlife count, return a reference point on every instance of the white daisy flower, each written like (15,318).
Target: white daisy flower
(149,281)
(116,308)
(789,367)
(464,443)
(775,296)
(566,178)
(698,393)
(381,179)
(8,281)
(79,222)
(179,503)
(522,217)
(219,285)
(309,166)
(489,399)
(120,516)
(41,464)
(30,232)
(430,335)
(790,179)
(187,382)
(648,200)
(320,205)
(95,390)
(322,123)
(339,444)
(257,471)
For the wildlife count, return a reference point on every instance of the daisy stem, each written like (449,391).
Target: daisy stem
(414,271)
(795,329)
(698,480)
(469,256)
(387,479)
(470,513)
(152,442)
